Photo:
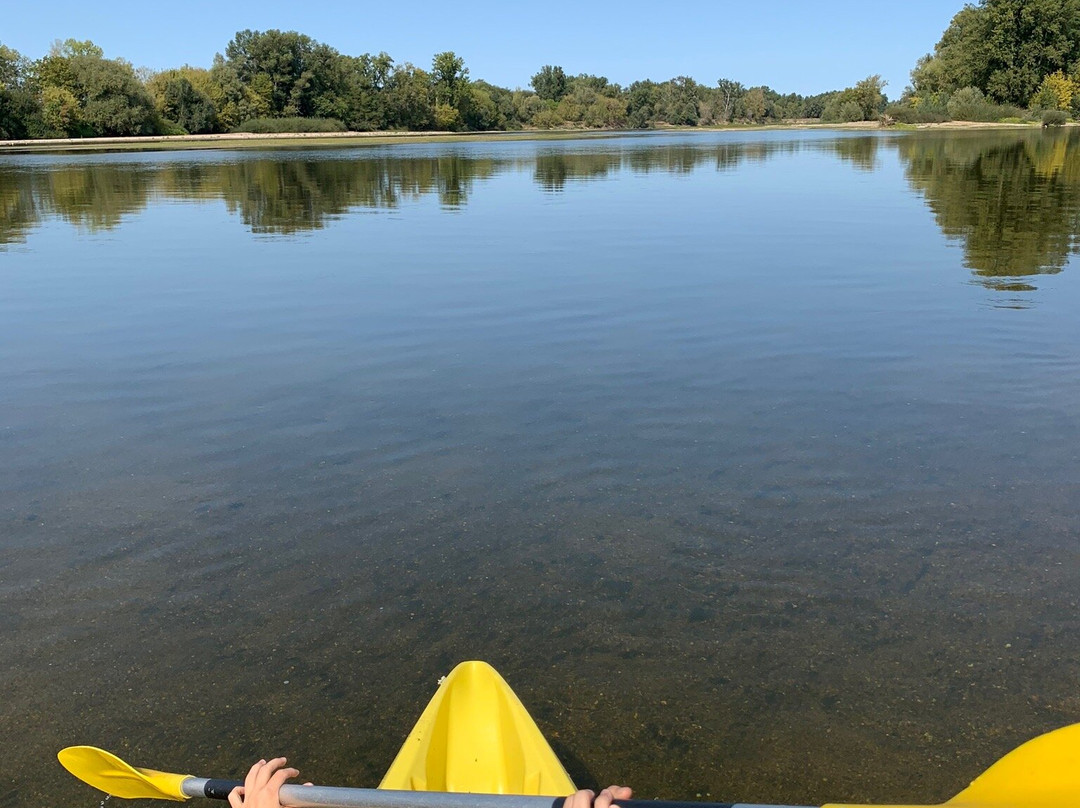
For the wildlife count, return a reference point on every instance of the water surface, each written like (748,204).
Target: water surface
(749,459)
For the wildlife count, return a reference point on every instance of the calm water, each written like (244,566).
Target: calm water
(751,461)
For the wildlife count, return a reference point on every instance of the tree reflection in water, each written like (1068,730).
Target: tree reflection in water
(1011,198)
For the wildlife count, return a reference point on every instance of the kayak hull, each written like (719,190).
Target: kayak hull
(475,736)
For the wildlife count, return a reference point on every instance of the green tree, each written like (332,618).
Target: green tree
(70,48)
(408,99)
(731,92)
(112,100)
(1003,47)
(60,113)
(1055,92)
(287,74)
(12,66)
(366,80)
(449,77)
(679,100)
(19,109)
(641,102)
(450,84)
(550,83)
(178,101)
(755,104)
(967,104)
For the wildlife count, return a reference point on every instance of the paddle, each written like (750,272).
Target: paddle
(1042,773)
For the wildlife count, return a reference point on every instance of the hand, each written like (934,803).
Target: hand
(261,786)
(587,799)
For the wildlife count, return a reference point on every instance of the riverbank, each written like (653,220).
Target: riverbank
(245,140)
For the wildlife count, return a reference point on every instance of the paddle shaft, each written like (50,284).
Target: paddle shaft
(332,797)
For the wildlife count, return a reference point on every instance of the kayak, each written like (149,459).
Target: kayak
(475,736)
(476,746)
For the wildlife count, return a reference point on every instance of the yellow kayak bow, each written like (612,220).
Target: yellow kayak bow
(476,736)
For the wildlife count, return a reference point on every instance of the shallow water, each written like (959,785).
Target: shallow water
(750,460)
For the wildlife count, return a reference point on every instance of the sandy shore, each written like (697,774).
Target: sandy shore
(236,140)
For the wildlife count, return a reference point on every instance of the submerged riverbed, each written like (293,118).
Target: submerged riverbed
(750,460)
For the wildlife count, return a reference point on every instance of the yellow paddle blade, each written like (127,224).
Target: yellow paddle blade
(106,772)
(476,737)
(1042,773)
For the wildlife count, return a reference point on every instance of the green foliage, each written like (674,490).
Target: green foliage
(18,110)
(268,126)
(366,79)
(450,84)
(967,104)
(1054,117)
(641,104)
(12,67)
(112,99)
(285,74)
(678,102)
(75,91)
(71,48)
(179,102)
(1055,92)
(924,113)
(550,83)
(60,113)
(1006,48)
(754,105)
(730,93)
(408,99)
(547,119)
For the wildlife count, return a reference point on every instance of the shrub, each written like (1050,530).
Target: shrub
(547,119)
(850,112)
(269,126)
(837,112)
(924,113)
(967,104)
(171,128)
(1054,117)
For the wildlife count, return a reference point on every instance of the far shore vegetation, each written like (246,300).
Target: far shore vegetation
(1010,61)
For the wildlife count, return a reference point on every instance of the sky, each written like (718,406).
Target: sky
(804,47)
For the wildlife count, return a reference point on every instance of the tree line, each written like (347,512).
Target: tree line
(286,81)
(1000,59)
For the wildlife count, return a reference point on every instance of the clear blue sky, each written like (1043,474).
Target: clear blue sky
(792,46)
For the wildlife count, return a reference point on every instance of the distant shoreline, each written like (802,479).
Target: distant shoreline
(247,140)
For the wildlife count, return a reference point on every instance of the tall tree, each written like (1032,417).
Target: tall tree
(288,73)
(550,83)
(1003,47)
(730,94)
(178,100)
(18,107)
(450,83)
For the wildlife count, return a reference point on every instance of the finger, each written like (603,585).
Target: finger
(278,780)
(236,797)
(262,777)
(249,780)
(610,794)
(580,799)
